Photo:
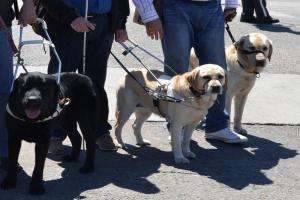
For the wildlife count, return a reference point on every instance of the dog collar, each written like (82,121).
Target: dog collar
(197,93)
(59,108)
(257,74)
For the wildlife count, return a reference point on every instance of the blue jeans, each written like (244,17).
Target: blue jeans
(198,25)
(99,43)
(6,76)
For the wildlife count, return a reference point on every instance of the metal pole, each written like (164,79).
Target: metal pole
(84,39)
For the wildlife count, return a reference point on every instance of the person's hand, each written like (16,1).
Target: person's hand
(27,13)
(229,14)
(137,18)
(121,35)
(80,25)
(155,29)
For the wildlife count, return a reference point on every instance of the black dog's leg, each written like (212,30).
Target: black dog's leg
(36,185)
(88,132)
(75,139)
(14,146)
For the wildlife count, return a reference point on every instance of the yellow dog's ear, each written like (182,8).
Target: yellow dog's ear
(270,49)
(192,77)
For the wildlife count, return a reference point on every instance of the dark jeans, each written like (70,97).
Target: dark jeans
(198,25)
(6,79)
(99,43)
(259,6)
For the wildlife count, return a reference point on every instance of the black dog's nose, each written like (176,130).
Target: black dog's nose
(215,89)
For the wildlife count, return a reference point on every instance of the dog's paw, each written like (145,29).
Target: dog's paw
(36,188)
(8,184)
(189,154)
(70,158)
(143,143)
(86,169)
(241,131)
(182,160)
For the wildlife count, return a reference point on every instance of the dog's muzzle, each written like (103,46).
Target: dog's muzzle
(216,89)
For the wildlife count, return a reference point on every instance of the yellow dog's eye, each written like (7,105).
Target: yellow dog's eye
(265,48)
(220,77)
(206,77)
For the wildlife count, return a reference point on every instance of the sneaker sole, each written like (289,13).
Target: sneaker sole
(227,140)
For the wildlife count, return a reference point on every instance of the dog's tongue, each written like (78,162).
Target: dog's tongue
(32,113)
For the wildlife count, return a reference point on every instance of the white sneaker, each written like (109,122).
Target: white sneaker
(226,135)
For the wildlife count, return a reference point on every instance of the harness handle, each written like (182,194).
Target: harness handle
(135,45)
(154,94)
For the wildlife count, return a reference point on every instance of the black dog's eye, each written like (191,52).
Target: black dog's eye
(206,78)
(220,77)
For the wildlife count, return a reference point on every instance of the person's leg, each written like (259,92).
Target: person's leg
(6,76)
(260,9)
(248,11)
(98,50)
(177,37)
(210,48)
(262,13)
(71,60)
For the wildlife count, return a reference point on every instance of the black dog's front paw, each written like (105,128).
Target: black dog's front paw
(36,188)
(8,184)
(86,169)
(70,158)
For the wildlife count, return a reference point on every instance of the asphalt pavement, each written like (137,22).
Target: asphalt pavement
(268,167)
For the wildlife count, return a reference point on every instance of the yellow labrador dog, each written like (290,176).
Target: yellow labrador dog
(245,60)
(198,89)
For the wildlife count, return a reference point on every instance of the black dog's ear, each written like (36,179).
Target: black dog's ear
(17,83)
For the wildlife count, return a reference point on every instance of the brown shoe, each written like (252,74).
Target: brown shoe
(106,143)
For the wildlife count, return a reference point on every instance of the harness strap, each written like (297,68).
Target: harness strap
(146,89)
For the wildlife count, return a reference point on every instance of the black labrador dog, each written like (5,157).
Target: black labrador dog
(36,102)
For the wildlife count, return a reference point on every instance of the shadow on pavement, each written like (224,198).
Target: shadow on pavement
(232,165)
(280,28)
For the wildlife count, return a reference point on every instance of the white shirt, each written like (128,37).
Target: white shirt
(148,12)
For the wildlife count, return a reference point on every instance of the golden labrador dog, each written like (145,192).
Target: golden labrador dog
(246,59)
(198,89)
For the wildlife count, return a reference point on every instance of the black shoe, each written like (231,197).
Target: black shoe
(247,19)
(267,20)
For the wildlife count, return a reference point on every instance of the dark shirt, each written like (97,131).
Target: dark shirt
(60,14)
(95,6)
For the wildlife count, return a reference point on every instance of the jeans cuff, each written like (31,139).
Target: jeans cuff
(216,127)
